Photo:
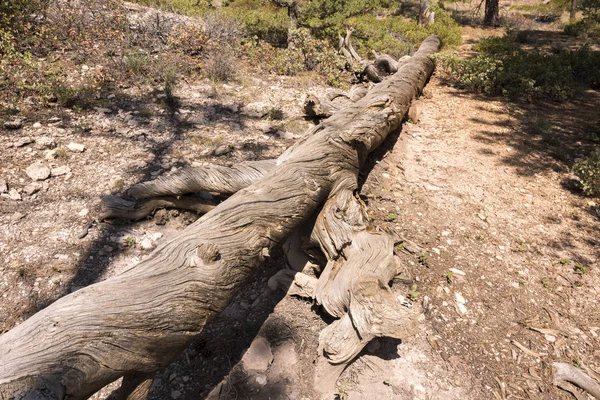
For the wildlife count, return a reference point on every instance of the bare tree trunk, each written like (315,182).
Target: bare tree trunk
(137,323)
(573,10)
(491,13)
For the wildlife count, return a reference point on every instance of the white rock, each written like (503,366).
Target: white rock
(457,271)
(23,141)
(222,150)
(261,380)
(146,244)
(3,186)
(103,110)
(37,125)
(285,135)
(32,188)
(14,195)
(257,109)
(76,147)
(44,142)
(50,154)
(550,338)
(62,170)
(38,171)
(259,356)
(16,216)
(84,212)
(156,236)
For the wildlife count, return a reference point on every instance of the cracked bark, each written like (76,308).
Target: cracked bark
(137,323)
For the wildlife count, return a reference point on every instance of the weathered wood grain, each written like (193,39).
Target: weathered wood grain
(138,322)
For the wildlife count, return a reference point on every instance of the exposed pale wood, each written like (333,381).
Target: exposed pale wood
(423,11)
(138,322)
(325,107)
(209,178)
(116,207)
(569,373)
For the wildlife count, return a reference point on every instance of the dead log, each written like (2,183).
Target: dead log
(137,323)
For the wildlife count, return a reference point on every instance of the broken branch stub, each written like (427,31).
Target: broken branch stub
(138,322)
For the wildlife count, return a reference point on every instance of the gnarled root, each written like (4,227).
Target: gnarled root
(567,372)
(209,178)
(167,191)
(116,207)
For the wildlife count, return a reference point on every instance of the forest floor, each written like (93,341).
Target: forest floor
(503,249)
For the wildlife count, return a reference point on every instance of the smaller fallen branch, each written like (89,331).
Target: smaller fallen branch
(325,107)
(426,16)
(567,372)
(366,71)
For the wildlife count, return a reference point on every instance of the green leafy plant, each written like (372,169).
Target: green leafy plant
(413,293)
(423,258)
(564,261)
(588,172)
(504,68)
(449,277)
(130,241)
(580,269)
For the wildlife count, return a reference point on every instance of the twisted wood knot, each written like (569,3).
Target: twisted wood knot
(208,252)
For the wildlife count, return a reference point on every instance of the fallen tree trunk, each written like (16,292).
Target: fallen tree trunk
(137,323)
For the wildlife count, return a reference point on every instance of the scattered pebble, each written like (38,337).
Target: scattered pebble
(23,141)
(14,195)
(285,135)
(146,244)
(38,171)
(460,303)
(457,271)
(261,380)
(222,150)
(32,188)
(259,356)
(14,124)
(76,147)
(62,170)
(50,154)
(16,217)
(3,186)
(44,142)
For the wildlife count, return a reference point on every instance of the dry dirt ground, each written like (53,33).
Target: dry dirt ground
(502,249)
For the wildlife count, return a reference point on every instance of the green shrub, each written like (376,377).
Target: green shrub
(327,18)
(587,27)
(588,172)
(503,68)
(398,36)
(185,7)
(260,20)
(307,54)
(591,9)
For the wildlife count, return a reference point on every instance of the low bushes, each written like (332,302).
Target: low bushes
(503,68)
